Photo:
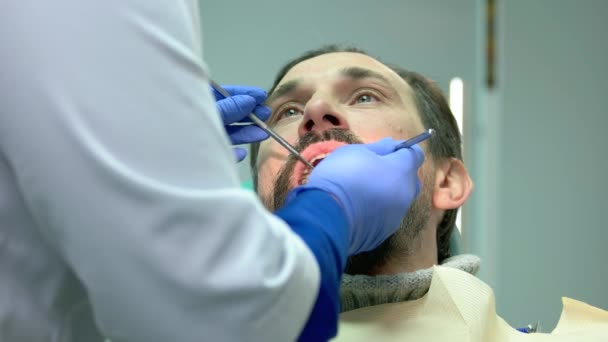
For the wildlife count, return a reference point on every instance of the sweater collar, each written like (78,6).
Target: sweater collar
(359,291)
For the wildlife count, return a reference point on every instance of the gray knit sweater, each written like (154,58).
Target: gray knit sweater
(359,291)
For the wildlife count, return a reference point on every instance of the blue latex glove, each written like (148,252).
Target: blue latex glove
(374,185)
(235,109)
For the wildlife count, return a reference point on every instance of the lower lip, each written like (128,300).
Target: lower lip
(324,147)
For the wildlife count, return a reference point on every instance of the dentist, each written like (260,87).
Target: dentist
(121,215)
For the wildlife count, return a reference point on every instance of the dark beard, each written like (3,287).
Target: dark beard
(285,175)
(400,243)
(403,242)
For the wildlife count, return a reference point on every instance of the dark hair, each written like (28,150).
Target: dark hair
(434,113)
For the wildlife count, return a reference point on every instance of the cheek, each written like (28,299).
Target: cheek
(427,176)
(271,158)
(264,187)
(374,129)
(371,134)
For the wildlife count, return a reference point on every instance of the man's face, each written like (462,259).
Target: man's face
(326,101)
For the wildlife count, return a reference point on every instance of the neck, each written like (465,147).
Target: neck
(421,255)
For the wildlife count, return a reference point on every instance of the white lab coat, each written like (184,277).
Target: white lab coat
(120,208)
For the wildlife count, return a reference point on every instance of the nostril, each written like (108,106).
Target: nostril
(332,119)
(308,125)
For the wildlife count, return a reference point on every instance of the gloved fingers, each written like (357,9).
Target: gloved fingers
(258,94)
(235,108)
(239,153)
(383,146)
(245,134)
(406,155)
(261,111)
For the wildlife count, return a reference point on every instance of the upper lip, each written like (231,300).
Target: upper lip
(311,157)
(307,151)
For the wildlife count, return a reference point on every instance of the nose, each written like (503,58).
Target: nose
(320,115)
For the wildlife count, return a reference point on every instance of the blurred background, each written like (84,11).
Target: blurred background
(527,79)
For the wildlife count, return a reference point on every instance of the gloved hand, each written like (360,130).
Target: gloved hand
(235,109)
(374,185)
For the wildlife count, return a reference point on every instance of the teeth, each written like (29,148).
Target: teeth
(304,177)
(308,170)
(320,156)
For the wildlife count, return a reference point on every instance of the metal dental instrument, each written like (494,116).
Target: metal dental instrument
(264,127)
(417,139)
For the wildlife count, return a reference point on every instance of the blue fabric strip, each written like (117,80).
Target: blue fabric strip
(319,220)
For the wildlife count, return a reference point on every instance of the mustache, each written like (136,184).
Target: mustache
(335,134)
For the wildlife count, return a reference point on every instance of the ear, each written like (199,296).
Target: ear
(453,186)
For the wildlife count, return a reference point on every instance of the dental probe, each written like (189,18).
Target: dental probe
(413,141)
(265,128)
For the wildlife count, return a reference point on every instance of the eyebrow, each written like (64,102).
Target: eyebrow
(358,73)
(284,89)
(353,73)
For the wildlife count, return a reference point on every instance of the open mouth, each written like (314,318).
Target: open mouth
(315,161)
(315,153)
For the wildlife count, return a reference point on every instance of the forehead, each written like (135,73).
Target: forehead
(328,66)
